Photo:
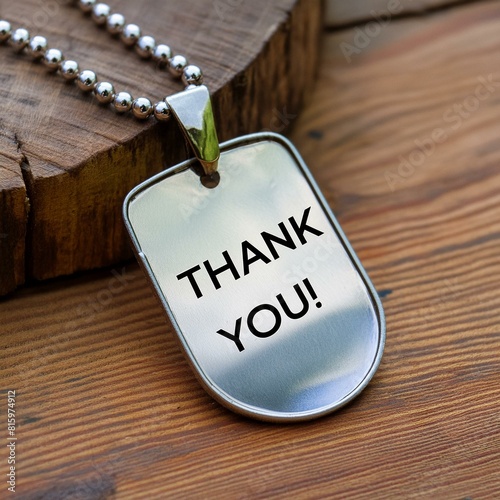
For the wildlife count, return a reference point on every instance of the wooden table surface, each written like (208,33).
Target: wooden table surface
(402,135)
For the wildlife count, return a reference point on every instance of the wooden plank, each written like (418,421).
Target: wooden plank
(108,408)
(340,13)
(13,216)
(80,160)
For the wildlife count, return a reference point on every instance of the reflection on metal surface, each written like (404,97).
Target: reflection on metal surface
(193,110)
(271,306)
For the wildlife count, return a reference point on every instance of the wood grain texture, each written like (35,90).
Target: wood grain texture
(108,408)
(79,161)
(340,13)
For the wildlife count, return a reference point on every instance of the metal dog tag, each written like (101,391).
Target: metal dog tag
(271,305)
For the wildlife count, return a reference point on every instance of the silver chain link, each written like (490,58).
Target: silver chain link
(86,80)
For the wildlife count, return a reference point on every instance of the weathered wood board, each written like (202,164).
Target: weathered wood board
(76,161)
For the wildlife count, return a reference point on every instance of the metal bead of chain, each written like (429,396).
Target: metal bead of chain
(104,92)
(53,59)
(115,23)
(86,80)
(123,102)
(145,45)
(130,34)
(86,5)
(19,39)
(37,47)
(69,70)
(5,31)
(100,13)
(142,107)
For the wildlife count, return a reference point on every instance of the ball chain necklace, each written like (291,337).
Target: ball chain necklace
(268,300)
(86,80)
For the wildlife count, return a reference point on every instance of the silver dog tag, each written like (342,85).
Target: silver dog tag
(271,305)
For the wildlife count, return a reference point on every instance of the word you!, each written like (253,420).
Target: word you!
(252,328)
